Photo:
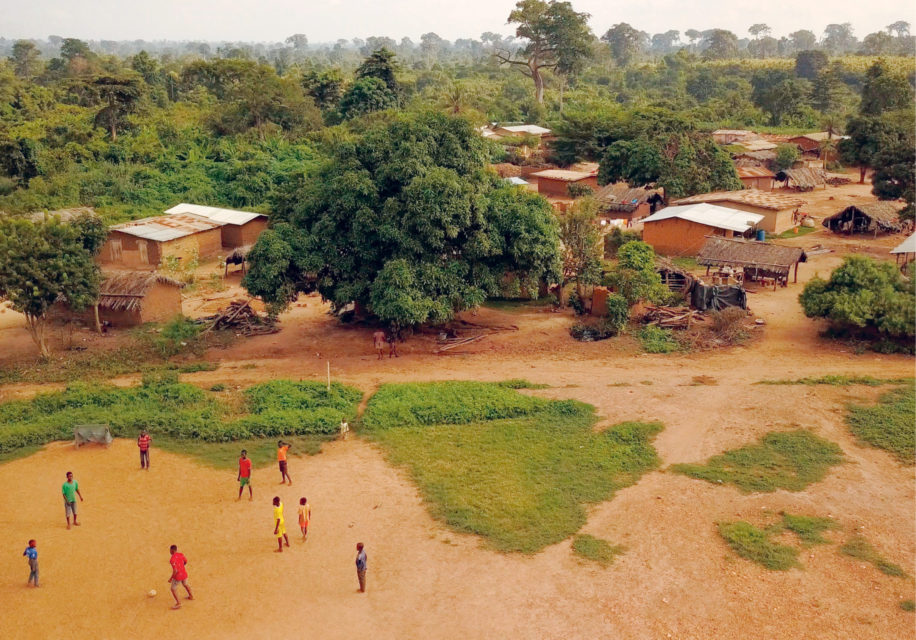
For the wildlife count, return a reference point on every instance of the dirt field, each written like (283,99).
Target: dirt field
(677,578)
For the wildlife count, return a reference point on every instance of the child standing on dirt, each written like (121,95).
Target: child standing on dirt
(179,575)
(244,478)
(282,448)
(393,345)
(361,567)
(143,442)
(378,339)
(279,524)
(31,552)
(71,489)
(305,516)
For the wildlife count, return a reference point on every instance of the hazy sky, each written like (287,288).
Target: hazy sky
(327,20)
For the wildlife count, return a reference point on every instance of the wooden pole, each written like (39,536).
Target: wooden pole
(329,376)
(98,325)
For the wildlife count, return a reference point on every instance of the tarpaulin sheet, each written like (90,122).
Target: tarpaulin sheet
(716,298)
(84,433)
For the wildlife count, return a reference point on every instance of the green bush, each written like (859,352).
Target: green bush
(657,340)
(618,312)
(177,334)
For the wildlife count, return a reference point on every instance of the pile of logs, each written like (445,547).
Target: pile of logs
(240,318)
(836,181)
(671,317)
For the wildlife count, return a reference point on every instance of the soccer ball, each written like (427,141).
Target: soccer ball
(152,593)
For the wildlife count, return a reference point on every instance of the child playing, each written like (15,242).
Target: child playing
(244,478)
(305,515)
(279,524)
(32,554)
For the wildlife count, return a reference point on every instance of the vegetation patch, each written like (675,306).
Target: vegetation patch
(657,340)
(860,548)
(225,455)
(809,528)
(908,605)
(167,407)
(754,544)
(788,460)
(517,470)
(839,381)
(889,424)
(521,383)
(596,549)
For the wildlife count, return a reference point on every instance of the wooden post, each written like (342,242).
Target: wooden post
(796,272)
(329,376)
(98,325)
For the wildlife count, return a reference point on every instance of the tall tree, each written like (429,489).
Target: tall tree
(364,96)
(866,136)
(884,90)
(894,177)
(381,64)
(626,43)
(24,58)
(580,243)
(665,42)
(901,28)
(838,38)
(720,45)
(46,262)
(325,87)
(407,222)
(119,95)
(298,41)
(551,29)
(808,63)
(759,29)
(803,40)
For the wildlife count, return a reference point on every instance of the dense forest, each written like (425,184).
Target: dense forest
(134,127)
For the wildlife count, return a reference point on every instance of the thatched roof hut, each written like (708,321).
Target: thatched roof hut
(803,179)
(125,290)
(865,218)
(622,198)
(756,258)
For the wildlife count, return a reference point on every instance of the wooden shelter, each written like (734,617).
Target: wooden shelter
(619,201)
(906,250)
(803,179)
(757,259)
(866,218)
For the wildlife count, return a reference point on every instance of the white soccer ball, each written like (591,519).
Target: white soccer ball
(152,593)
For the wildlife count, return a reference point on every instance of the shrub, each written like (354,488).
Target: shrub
(728,324)
(576,190)
(577,304)
(657,340)
(176,335)
(618,312)
(786,156)
(616,239)
(635,277)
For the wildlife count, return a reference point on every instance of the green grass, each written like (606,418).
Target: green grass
(889,424)
(783,460)
(755,544)
(860,548)
(516,470)
(169,408)
(785,235)
(840,381)
(521,383)
(657,340)
(596,549)
(809,528)
(908,605)
(225,455)
(686,262)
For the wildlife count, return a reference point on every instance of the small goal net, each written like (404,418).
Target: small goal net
(84,433)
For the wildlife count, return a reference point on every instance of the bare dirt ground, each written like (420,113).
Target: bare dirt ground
(677,578)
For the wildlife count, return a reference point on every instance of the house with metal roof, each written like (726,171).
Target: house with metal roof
(145,243)
(905,250)
(776,208)
(239,228)
(683,230)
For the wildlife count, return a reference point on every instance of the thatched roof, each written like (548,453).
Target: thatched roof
(125,290)
(804,178)
(884,215)
(239,254)
(740,253)
(750,197)
(621,197)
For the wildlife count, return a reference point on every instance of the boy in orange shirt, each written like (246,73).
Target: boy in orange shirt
(305,516)
(282,448)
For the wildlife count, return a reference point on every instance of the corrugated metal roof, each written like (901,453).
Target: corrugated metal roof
(516,180)
(216,214)
(165,228)
(751,197)
(819,136)
(563,174)
(907,246)
(754,172)
(757,145)
(710,215)
(531,129)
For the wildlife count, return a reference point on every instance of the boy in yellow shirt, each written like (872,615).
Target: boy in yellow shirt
(305,516)
(279,524)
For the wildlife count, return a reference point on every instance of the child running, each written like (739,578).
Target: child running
(32,553)
(279,525)
(282,448)
(244,478)
(305,516)
(179,575)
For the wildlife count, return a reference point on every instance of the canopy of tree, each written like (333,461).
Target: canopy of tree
(407,222)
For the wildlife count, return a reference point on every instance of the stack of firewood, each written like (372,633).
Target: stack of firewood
(671,317)
(240,318)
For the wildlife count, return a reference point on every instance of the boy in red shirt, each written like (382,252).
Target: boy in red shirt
(179,574)
(244,478)
(143,442)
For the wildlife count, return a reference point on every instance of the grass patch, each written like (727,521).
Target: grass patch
(908,605)
(791,233)
(861,549)
(596,549)
(225,455)
(169,408)
(840,381)
(517,470)
(889,424)
(785,460)
(809,528)
(754,544)
(194,367)
(685,262)
(657,340)
(521,383)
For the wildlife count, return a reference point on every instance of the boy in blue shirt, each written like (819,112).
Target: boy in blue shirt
(32,553)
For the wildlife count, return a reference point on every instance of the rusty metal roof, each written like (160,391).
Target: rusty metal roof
(754,172)
(563,174)
(165,228)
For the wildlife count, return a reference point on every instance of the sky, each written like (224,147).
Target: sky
(328,20)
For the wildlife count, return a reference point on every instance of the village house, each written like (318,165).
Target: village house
(238,228)
(756,178)
(872,217)
(758,260)
(555,182)
(619,201)
(810,144)
(683,230)
(754,159)
(906,251)
(143,244)
(803,178)
(777,209)
(129,299)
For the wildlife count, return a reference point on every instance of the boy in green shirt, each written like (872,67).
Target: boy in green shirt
(71,489)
